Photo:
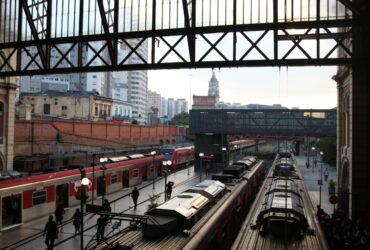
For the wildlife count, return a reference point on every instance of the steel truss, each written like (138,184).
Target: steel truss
(35,30)
(264,122)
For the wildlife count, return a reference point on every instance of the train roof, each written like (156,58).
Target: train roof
(283,197)
(184,205)
(208,188)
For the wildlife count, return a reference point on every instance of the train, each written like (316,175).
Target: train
(27,198)
(282,215)
(205,216)
(179,156)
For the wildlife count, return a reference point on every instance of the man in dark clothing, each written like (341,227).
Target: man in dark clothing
(169,189)
(135,195)
(59,211)
(51,231)
(77,221)
(101,223)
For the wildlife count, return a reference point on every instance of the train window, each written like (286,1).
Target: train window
(135,173)
(39,197)
(114,178)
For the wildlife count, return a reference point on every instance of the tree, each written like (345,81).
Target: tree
(328,145)
(180,119)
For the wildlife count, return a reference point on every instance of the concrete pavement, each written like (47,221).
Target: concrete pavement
(311,176)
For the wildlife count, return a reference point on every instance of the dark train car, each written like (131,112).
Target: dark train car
(206,216)
(282,217)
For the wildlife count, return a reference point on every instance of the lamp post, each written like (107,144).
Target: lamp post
(321,153)
(93,180)
(223,156)
(165,164)
(313,158)
(84,182)
(188,162)
(200,156)
(153,153)
(103,168)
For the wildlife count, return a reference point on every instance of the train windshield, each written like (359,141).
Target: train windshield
(167,152)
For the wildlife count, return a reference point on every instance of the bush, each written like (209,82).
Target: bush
(153,201)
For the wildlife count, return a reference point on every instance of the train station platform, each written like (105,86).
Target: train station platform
(311,176)
(16,238)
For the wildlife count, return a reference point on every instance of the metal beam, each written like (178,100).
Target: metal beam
(112,52)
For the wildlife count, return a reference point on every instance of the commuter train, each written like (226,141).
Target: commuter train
(205,216)
(179,156)
(282,215)
(27,198)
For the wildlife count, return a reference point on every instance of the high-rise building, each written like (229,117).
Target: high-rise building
(154,101)
(213,88)
(171,108)
(182,106)
(164,107)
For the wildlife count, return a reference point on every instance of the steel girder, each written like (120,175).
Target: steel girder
(231,43)
(264,122)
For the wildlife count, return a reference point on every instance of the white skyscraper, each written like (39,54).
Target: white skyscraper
(164,107)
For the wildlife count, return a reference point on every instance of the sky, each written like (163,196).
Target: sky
(303,87)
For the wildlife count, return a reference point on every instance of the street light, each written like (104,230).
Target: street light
(188,161)
(165,164)
(322,154)
(103,168)
(223,156)
(200,156)
(153,153)
(84,182)
(313,159)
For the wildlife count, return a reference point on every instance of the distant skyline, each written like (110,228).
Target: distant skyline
(303,87)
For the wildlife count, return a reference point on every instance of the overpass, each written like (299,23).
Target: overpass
(288,122)
(212,126)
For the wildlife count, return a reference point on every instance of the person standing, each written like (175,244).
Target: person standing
(326,174)
(51,231)
(59,211)
(169,189)
(101,223)
(77,221)
(135,195)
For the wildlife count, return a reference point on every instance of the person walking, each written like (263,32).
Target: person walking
(135,195)
(51,231)
(59,211)
(169,189)
(77,221)
(101,223)
(326,174)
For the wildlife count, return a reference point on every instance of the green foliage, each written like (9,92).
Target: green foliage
(153,201)
(180,119)
(328,145)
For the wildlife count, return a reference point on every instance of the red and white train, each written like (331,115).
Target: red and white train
(27,198)
(179,157)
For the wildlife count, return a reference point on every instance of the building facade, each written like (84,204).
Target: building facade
(70,104)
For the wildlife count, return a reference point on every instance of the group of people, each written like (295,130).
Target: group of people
(51,227)
(342,232)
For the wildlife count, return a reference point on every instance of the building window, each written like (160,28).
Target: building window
(47,109)
(114,178)
(135,173)
(96,111)
(39,197)
(64,107)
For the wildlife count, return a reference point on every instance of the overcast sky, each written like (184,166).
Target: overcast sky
(303,87)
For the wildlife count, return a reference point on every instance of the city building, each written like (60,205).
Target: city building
(171,108)
(164,107)
(154,102)
(121,110)
(69,104)
(204,102)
